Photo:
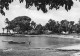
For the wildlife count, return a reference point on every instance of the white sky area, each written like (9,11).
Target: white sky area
(16,9)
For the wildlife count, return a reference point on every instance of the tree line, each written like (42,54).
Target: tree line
(24,25)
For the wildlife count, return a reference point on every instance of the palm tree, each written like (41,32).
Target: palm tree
(8,24)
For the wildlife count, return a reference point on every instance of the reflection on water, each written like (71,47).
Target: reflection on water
(2,45)
(36,42)
(30,42)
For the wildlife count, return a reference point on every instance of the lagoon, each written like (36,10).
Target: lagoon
(37,42)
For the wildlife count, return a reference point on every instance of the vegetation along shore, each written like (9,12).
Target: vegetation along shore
(24,25)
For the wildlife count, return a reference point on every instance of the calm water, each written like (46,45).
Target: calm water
(53,42)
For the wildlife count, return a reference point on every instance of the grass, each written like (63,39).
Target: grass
(34,53)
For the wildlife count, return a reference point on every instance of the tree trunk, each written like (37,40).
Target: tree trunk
(3,30)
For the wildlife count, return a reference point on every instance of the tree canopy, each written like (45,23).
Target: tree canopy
(39,4)
(23,24)
(19,24)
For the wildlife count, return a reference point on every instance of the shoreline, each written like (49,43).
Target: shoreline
(74,36)
(71,36)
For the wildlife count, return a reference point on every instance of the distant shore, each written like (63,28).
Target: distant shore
(42,35)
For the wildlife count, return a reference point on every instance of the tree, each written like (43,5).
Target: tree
(51,25)
(57,27)
(71,26)
(39,4)
(33,24)
(78,27)
(20,23)
(39,29)
(8,25)
(7,21)
(64,25)
(17,29)
(3,30)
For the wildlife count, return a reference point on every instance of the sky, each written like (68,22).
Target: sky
(16,9)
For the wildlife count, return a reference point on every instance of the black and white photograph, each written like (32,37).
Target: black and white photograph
(39,27)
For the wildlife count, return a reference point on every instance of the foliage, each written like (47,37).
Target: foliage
(20,24)
(39,29)
(51,25)
(33,24)
(71,26)
(64,25)
(39,4)
(24,24)
(4,4)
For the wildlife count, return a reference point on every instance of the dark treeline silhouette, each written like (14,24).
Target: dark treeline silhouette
(39,4)
(24,25)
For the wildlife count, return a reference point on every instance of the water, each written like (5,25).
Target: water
(35,42)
